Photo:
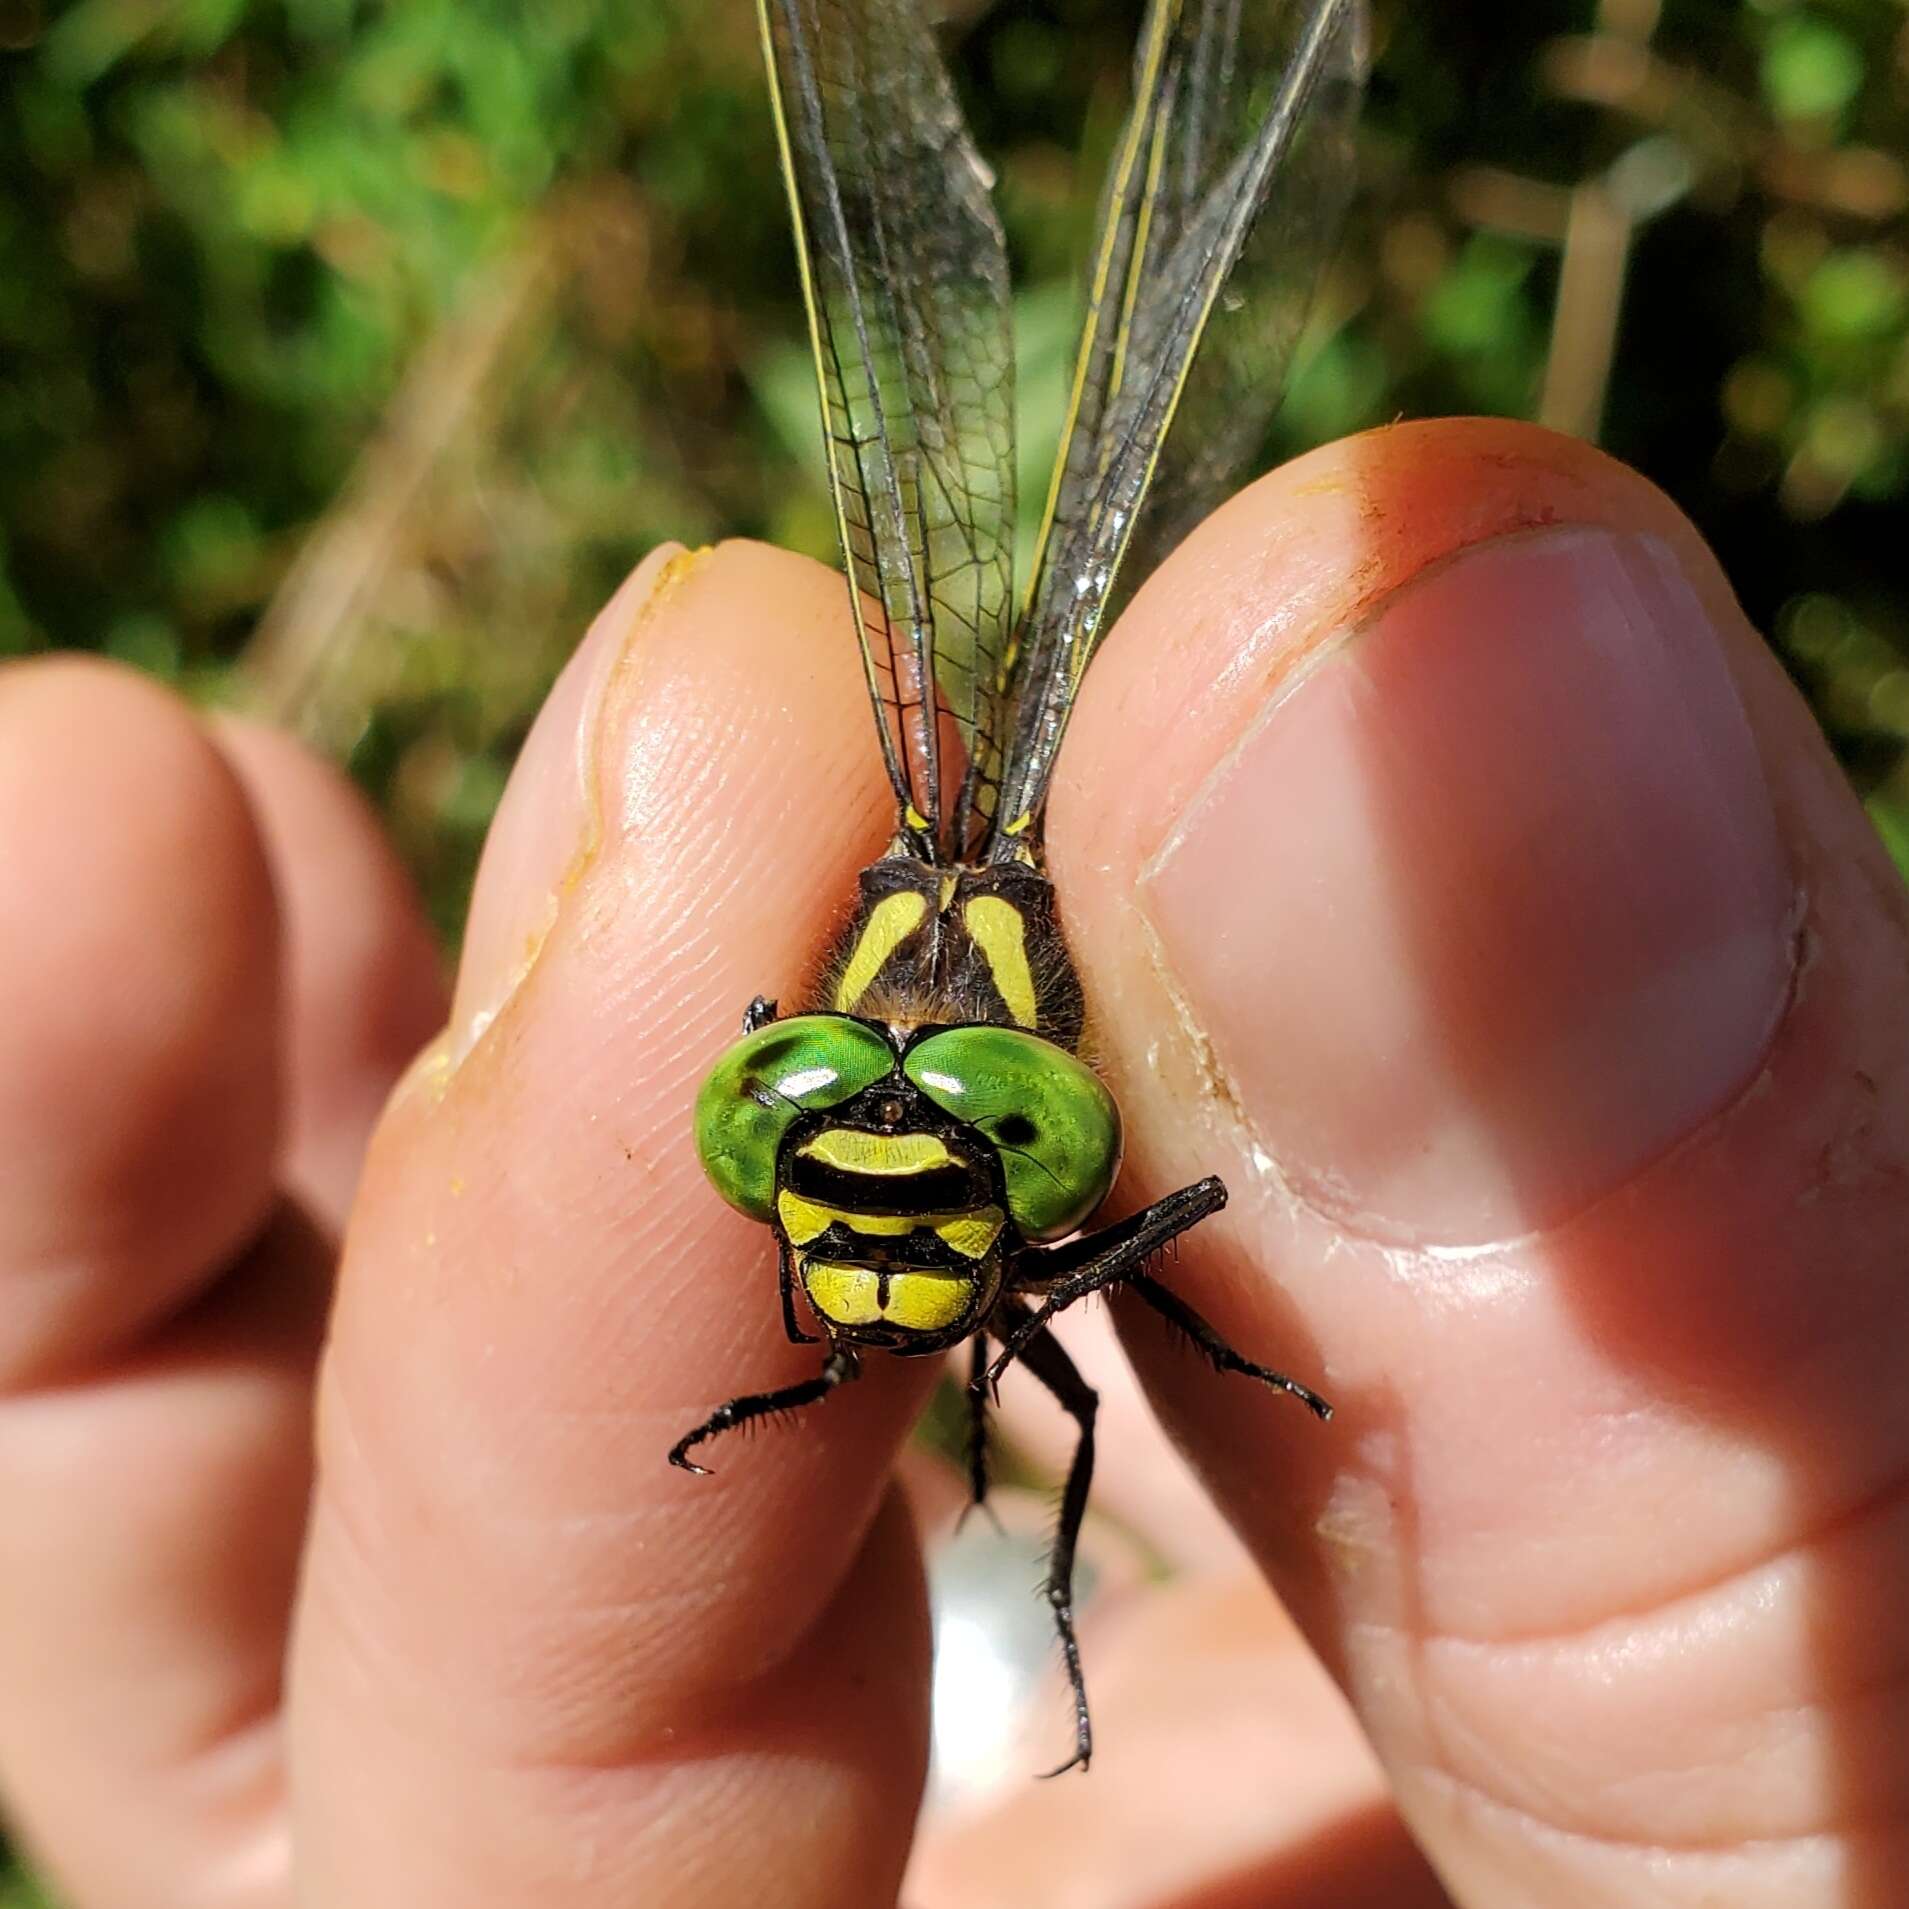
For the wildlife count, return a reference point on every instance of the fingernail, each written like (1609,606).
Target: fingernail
(547,823)
(1491,908)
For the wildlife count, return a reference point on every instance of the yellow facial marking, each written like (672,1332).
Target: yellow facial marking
(1001,935)
(849,1295)
(926,1302)
(896,1154)
(971,1234)
(802,1219)
(892,1226)
(890,922)
(917,1302)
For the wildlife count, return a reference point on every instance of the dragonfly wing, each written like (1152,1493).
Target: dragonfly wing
(905,275)
(1225,199)
(1238,374)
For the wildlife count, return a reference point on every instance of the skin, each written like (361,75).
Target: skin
(1605,1547)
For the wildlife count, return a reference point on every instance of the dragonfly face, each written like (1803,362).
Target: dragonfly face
(905,1175)
(925,1142)
(930,944)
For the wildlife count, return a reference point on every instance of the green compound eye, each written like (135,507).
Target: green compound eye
(757,1088)
(1053,1123)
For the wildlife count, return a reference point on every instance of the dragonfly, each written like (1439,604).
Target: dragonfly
(924,1137)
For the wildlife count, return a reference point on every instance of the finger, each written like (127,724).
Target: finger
(1488,911)
(534,1662)
(1230,1775)
(155,1338)
(364,986)
(115,1219)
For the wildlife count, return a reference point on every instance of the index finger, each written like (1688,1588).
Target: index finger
(534,1663)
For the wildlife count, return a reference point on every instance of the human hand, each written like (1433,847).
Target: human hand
(1449,869)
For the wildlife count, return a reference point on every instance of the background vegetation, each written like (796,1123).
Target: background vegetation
(350,350)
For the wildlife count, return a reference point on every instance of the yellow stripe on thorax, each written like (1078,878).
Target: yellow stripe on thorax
(1001,935)
(890,922)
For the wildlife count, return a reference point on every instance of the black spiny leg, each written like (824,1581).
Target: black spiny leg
(1217,1353)
(1111,1257)
(759,1013)
(977,1432)
(785,1282)
(1042,1355)
(840,1366)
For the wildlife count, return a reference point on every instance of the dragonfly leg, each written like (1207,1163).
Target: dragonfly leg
(785,1283)
(1111,1257)
(1217,1353)
(840,1366)
(1042,1355)
(977,1432)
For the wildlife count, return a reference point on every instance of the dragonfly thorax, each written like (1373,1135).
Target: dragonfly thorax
(932,945)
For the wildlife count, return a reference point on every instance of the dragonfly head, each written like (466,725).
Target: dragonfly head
(902,1173)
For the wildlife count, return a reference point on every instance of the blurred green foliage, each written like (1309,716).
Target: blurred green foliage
(20,1891)
(383,335)
(350,350)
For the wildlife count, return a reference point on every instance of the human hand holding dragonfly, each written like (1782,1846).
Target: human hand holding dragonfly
(1449,868)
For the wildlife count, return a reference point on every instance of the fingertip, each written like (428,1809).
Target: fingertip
(551,816)
(1308,551)
(139,961)
(1459,848)
(364,978)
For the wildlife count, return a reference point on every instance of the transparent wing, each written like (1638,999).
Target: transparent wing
(905,276)
(1225,198)
(1241,51)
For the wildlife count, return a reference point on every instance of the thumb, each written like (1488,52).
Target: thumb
(1489,913)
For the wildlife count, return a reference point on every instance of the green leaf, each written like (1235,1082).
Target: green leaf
(199,27)
(1475,306)
(20,1891)
(1811,70)
(149,643)
(473,797)
(1855,293)
(1891,821)
(1336,388)
(16,637)
(90,39)
(211,545)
